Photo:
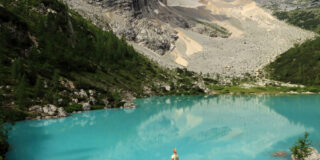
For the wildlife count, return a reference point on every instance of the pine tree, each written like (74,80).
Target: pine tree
(55,81)
(20,93)
(301,148)
(3,138)
(39,87)
(17,70)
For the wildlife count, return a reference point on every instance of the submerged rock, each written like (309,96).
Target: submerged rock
(129,105)
(279,154)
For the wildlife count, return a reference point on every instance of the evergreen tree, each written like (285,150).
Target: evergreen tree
(3,138)
(20,92)
(55,81)
(17,69)
(301,148)
(39,87)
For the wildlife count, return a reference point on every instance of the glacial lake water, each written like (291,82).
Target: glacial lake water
(201,128)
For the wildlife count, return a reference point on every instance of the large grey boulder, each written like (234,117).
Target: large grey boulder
(92,101)
(61,112)
(86,106)
(36,108)
(52,107)
(45,109)
(167,87)
(83,94)
(92,92)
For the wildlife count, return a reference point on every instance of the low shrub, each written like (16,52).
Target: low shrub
(97,107)
(73,108)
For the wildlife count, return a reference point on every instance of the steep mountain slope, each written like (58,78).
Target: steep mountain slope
(226,37)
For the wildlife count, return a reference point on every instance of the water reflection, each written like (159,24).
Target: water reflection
(213,127)
(238,125)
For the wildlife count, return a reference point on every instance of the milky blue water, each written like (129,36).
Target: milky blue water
(201,128)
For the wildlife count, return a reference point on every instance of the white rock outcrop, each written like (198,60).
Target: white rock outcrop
(48,111)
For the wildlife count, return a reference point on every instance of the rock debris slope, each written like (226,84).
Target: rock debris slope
(227,37)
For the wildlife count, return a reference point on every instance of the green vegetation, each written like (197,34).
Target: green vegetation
(97,107)
(4,146)
(271,89)
(48,52)
(73,108)
(300,64)
(301,149)
(43,43)
(305,18)
(223,31)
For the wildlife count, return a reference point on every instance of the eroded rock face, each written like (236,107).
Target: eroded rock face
(146,22)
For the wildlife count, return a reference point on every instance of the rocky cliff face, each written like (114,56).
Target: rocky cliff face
(134,19)
(137,7)
(146,22)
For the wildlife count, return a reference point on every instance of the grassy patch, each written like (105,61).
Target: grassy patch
(263,90)
(215,27)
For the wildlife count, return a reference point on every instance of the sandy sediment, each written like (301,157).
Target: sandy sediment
(186,47)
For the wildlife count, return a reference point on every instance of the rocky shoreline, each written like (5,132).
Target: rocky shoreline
(50,111)
(84,100)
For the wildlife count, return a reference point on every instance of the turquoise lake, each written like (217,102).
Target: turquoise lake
(201,128)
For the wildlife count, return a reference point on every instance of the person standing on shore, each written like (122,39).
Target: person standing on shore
(175,155)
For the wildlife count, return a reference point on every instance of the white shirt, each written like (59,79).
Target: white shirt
(175,157)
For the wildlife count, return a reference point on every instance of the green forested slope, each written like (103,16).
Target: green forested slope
(305,18)
(300,64)
(44,45)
